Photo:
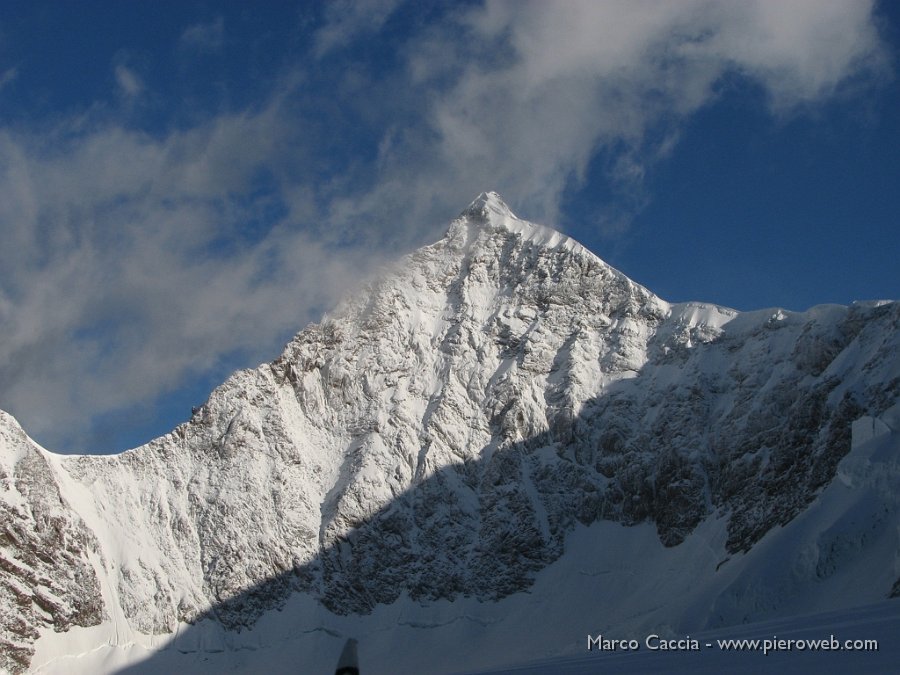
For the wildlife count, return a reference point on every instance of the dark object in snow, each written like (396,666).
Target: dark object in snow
(348,664)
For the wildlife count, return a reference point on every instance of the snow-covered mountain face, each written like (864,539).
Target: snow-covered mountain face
(439,436)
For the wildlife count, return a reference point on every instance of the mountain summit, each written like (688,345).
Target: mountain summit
(499,406)
(487,205)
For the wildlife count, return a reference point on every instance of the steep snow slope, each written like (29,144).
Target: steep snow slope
(817,561)
(615,581)
(439,438)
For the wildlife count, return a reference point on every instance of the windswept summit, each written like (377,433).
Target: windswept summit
(499,437)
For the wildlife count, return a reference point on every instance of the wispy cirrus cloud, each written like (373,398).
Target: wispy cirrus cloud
(349,20)
(129,82)
(205,37)
(7,76)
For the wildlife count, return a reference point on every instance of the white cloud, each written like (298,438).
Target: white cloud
(129,82)
(347,20)
(205,37)
(7,76)
(539,87)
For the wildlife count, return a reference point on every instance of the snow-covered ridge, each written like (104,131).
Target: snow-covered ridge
(438,438)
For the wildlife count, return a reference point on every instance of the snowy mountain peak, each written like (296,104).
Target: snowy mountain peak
(486,207)
(488,216)
(441,437)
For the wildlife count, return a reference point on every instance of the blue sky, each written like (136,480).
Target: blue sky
(183,186)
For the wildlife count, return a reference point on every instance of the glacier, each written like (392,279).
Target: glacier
(498,446)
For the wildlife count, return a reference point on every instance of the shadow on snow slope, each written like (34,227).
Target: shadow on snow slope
(483,529)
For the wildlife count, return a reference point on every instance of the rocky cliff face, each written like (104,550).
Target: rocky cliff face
(439,435)
(47,554)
